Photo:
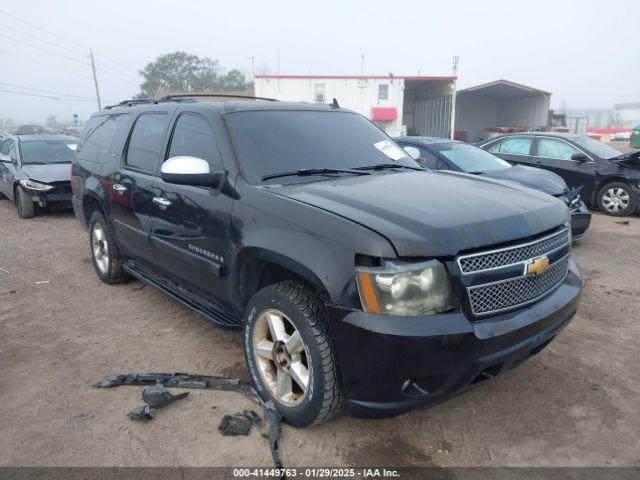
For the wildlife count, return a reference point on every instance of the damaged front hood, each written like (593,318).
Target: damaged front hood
(54,172)
(427,214)
(630,159)
(531,177)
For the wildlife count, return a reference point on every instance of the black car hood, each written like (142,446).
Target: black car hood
(433,213)
(54,172)
(531,177)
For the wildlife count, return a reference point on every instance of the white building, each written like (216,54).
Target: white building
(387,100)
(416,105)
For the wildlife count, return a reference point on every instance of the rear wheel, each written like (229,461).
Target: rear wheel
(290,354)
(24,203)
(104,250)
(617,199)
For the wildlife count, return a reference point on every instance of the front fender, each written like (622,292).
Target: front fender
(317,245)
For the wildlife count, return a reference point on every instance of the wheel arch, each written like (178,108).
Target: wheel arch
(90,203)
(257,268)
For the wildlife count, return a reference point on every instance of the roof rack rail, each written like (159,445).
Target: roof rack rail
(177,96)
(130,103)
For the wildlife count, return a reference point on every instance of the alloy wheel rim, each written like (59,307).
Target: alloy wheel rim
(615,200)
(100,248)
(281,357)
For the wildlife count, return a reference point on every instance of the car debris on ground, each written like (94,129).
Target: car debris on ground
(156,396)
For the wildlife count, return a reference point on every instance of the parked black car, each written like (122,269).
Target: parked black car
(446,154)
(354,276)
(610,178)
(35,169)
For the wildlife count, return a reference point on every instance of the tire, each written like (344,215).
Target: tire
(24,204)
(301,311)
(105,255)
(617,199)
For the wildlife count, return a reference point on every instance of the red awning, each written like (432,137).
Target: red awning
(384,114)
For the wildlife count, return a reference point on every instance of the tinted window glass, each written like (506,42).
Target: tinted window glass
(557,149)
(4,148)
(193,137)
(269,142)
(98,142)
(146,141)
(12,151)
(469,158)
(47,151)
(514,146)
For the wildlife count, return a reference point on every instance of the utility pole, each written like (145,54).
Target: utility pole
(454,94)
(253,67)
(95,79)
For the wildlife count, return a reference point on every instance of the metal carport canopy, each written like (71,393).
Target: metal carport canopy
(503,89)
(500,104)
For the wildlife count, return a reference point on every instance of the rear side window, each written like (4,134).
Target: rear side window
(4,148)
(513,146)
(193,137)
(145,143)
(100,137)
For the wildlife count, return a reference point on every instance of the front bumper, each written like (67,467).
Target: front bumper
(580,221)
(58,197)
(390,365)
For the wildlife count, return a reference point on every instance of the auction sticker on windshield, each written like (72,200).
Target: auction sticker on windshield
(390,150)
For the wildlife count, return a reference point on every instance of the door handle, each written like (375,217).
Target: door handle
(163,203)
(119,188)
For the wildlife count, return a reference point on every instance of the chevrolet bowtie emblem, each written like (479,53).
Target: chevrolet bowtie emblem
(537,266)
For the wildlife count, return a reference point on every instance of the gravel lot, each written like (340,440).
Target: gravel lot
(574,404)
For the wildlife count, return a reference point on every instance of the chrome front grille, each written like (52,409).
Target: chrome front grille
(489,260)
(512,276)
(518,291)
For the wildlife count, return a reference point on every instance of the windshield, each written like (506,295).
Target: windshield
(47,151)
(271,142)
(469,158)
(596,147)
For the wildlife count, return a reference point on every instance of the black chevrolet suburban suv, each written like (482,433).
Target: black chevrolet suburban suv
(357,277)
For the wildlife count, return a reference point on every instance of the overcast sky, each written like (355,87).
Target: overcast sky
(585,52)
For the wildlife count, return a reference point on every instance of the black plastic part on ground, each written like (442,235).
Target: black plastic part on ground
(207,382)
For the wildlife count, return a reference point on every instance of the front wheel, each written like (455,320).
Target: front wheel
(24,204)
(617,199)
(290,354)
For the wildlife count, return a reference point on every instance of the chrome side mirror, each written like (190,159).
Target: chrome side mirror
(190,171)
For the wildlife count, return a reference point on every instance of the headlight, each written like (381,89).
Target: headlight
(31,185)
(405,289)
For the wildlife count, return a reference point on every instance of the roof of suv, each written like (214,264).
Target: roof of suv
(225,105)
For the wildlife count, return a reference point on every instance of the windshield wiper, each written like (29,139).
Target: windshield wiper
(305,172)
(386,166)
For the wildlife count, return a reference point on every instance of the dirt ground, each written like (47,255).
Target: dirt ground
(575,404)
